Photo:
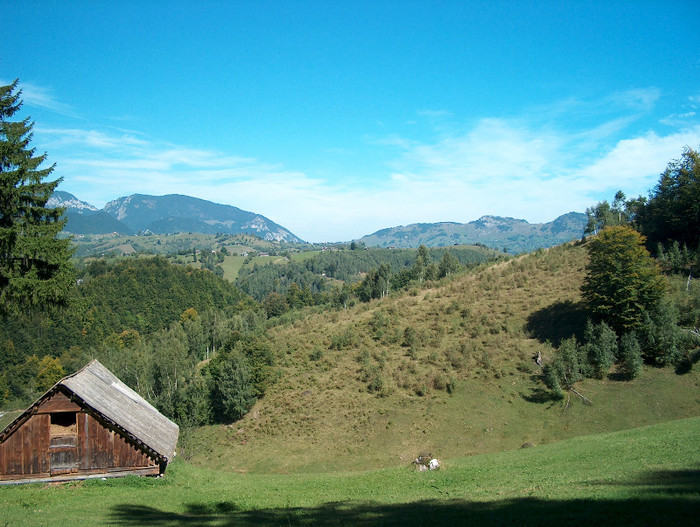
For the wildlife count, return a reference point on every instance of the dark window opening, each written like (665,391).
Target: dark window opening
(64,423)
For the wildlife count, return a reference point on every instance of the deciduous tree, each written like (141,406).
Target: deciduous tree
(622,282)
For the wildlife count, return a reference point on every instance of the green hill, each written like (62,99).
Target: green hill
(447,369)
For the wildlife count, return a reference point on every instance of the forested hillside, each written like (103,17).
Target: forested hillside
(322,272)
(128,301)
(153,322)
(448,367)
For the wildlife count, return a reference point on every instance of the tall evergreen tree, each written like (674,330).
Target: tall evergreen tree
(35,269)
(673,210)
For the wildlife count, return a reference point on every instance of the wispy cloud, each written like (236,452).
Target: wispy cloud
(529,167)
(42,97)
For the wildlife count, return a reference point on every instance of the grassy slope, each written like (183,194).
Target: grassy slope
(644,476)
(321,416)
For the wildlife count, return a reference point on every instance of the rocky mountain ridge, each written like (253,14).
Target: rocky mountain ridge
(167,214)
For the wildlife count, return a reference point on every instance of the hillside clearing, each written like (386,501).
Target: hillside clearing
(447,368)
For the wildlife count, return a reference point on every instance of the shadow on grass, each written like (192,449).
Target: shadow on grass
(541,396)
(558,321)
(658,498)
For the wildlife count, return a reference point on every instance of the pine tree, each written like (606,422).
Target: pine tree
(673,210)
(35,269)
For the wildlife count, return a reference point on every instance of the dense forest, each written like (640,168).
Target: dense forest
(321,274)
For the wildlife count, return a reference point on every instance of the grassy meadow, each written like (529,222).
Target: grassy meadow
(643,476)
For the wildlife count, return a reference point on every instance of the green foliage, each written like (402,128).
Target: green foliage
(622,281)
(659,335)
(600,347)
(139,295)
(672,212)
(4,390)
(316,355)
(275,304)
(9,356)
(345,340)
(674,258)
(630,356)
(391,269)
(260,357)
(21,379)
(193,402)
(604,215)
(568,366)
(232,387)
(448,265)
(35,268)
(49,373)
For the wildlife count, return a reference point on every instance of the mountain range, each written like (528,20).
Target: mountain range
(175,213)
(168,214)
(509,234)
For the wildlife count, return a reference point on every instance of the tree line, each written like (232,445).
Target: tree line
(632,317)
(340,277)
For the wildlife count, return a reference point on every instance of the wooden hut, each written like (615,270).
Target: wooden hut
(89,424)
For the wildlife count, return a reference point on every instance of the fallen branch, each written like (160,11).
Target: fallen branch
(568,400)
(586,399)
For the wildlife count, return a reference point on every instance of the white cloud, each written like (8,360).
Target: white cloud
(40,96)
(534,167)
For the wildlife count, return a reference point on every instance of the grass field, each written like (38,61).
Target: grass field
(643,476)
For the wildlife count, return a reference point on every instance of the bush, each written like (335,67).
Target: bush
(660,337)
(600,348)
(567,367)
(630,356)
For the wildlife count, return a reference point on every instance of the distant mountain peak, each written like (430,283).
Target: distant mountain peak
(72,204)
(177,213)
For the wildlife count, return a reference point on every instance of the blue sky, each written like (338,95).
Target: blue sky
(339,118)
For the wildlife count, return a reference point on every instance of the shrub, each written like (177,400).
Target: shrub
(600,348)
(630,356)
(660,337)
(566,368)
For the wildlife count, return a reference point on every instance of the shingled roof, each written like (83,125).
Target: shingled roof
(101,391)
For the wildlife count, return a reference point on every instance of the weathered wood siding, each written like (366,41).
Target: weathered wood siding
(103,449)
(26,452)
(61,438)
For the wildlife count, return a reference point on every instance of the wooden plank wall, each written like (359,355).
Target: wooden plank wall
(26,452)
(99,448)
(104,449)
